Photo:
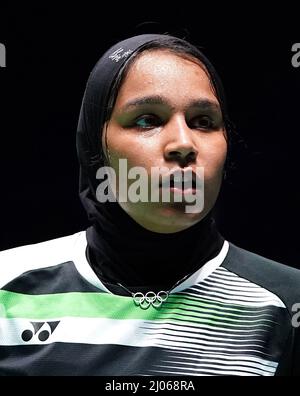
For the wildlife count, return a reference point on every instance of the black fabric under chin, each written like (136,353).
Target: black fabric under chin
(144,260)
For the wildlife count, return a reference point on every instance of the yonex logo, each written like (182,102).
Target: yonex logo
(39,331)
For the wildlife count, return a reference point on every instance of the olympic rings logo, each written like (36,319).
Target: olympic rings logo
(151,298)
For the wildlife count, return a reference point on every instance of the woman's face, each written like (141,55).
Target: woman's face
(167,115)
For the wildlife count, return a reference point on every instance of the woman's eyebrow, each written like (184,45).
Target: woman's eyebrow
(203,103)
(146,100)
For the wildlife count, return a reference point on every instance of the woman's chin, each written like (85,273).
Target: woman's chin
(170,219)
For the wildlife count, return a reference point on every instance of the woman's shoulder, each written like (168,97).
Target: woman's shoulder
(252,262)
(19,260)
(276,277)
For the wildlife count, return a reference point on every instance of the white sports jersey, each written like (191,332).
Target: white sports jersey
(234,316)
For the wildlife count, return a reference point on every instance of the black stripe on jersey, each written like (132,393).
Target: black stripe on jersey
(61,278)
(63,359)
(60,359)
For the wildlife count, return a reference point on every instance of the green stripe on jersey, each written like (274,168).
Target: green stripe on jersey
(104,305)
(93,305)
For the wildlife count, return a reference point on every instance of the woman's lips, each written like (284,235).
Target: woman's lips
(179,179)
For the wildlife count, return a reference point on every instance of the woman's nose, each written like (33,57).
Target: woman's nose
(180,146)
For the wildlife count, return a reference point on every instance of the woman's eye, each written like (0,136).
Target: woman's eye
(202,122)
(147,121)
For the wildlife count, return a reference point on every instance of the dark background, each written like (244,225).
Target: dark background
(50,53)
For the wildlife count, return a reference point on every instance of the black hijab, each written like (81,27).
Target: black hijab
(119,249)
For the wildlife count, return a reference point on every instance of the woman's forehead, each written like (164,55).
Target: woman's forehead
(163,73)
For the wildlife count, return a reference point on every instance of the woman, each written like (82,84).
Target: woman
(151,287)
